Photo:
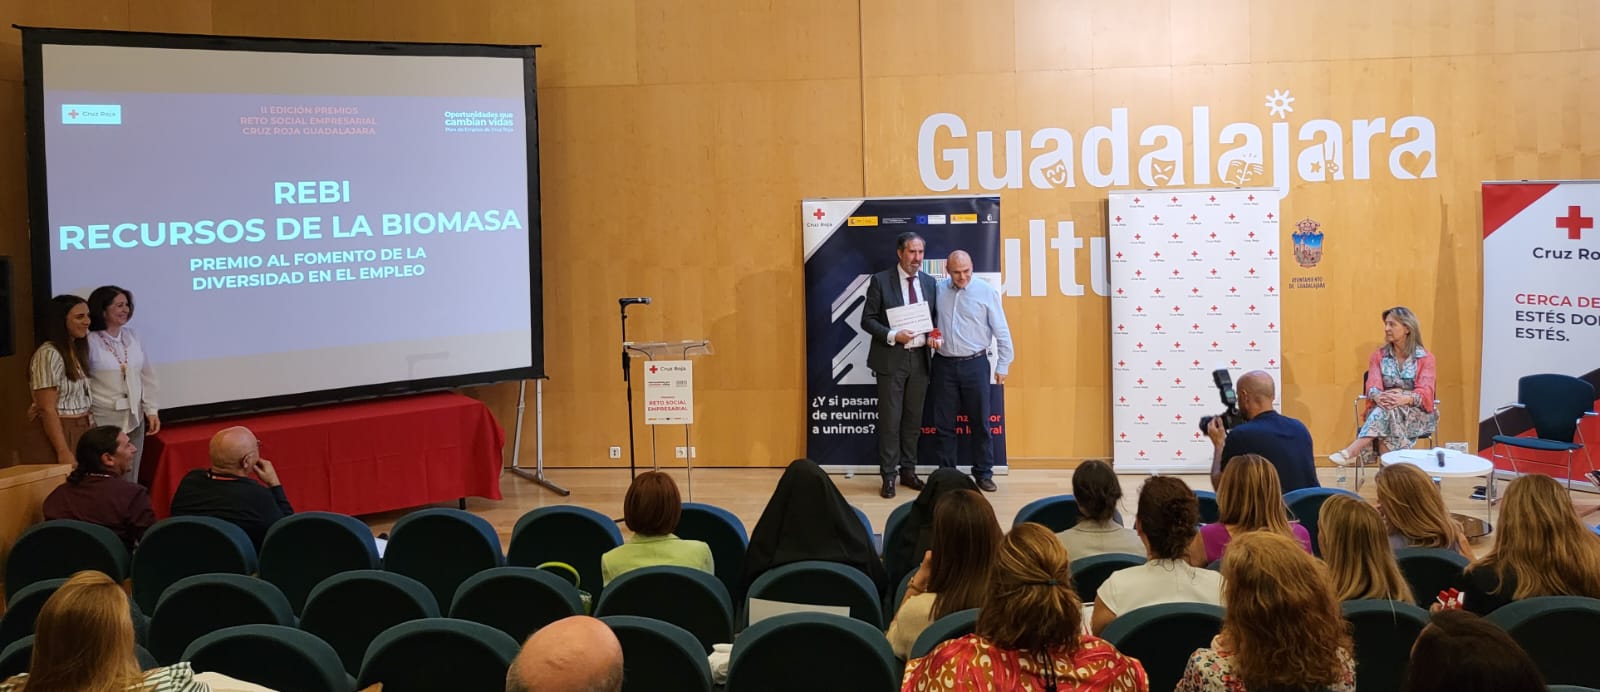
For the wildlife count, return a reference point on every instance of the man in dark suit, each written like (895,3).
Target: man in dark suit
(899,360)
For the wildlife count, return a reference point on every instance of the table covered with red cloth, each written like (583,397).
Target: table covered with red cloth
(356,458)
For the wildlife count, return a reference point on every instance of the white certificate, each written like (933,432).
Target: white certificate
(915,318)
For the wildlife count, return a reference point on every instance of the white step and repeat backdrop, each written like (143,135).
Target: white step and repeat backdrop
(1194,288)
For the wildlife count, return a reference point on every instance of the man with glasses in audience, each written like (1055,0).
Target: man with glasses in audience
(227,491)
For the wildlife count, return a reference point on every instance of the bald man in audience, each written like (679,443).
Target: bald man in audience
(1284,441)
(575,654)
(227,491)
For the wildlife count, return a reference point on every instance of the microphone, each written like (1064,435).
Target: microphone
(632,301)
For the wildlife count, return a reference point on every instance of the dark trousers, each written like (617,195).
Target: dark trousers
(962,387)
(900,395)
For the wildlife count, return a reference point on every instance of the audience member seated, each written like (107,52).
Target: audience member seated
(1462,652)
(1415,513)
(575,654)
(227,492)
(1168,513)
(83,640)
(1282,629)
(1281,440)
(1543,550)
(954,575)
(95,491)
(808,519)
(915,536)
(1400,390)
(1097,491)
(1028,634)
(1247,500)
(1357,552)
(651,510)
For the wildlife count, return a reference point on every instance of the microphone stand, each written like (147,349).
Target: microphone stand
(627,382)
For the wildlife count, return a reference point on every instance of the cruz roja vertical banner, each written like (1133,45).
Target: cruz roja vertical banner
(1194,292)
(1541,306)
(846,242)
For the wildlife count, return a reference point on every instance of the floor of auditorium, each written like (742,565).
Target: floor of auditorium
(744,491)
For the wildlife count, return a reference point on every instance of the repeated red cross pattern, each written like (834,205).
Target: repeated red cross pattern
(1221,286)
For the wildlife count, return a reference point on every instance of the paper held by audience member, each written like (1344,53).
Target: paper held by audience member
(915,318)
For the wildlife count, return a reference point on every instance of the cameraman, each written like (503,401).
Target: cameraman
(1284,441)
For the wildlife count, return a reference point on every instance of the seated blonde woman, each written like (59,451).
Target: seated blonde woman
(1168,512)
(651,510)
(1543,550)
(1028,636)
(1282,628)
(83,642)
(1248,499)
(1355,547)
(1415,513)
(954,575)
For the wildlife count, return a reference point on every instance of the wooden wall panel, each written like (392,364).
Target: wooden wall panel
(678,136)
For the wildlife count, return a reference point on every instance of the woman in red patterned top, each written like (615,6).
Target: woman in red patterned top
(1028,635)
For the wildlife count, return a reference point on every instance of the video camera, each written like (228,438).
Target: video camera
(1230,417)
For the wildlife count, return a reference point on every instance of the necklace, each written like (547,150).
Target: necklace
(121,354)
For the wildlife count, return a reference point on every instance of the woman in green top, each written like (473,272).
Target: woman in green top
(651,511)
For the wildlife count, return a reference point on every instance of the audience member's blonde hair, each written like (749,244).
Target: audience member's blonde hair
(83,639)
(1413,508)
(1355,547)
(1031,605)
(1282,621)
(1250,497)
(1543,545)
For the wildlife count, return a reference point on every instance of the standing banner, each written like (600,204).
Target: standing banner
(846,242)
(1194,289)
(1541,303)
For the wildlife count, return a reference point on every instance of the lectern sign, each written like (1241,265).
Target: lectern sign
(669,392)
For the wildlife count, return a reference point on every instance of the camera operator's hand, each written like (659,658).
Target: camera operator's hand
(1215,431)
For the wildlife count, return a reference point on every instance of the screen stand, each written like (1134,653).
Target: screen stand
(516,447)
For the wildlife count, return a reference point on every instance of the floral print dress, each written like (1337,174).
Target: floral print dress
(972,663)
(1399,427)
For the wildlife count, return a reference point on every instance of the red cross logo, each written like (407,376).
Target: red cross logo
(652,369)
(1252,308)
(1194,253)
(818,214)
(1272,325)
(1136,200)
(1271,253)
(1161,436)
(1574,222)
(1119,219)
(1158,364)
(1175,344)
(1272,362)
(1192,217)
(1213,198)
(1174,272)
(1157,217)
(1174,199)
(1195,291)
(1234,363)
(1231,217)
(1269,216)
(1136,236)
(1123,435)
(1251,198)
(1121,363)
(73,114)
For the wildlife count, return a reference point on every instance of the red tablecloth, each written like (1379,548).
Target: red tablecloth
(355,458)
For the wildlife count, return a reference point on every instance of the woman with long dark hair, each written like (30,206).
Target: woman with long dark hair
(59,377)
(954,575)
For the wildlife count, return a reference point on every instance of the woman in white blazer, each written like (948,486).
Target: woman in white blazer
(122,380)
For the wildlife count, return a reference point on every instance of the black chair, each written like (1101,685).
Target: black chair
(1306,505)
(877,540)
(1163,636)
(1558,633)
(817,582)
(892,528)
(685,597)
(63,547)
(515,600)
(439,654)
(1090,572)
(1383,632)
(659,655)
(953,626)
(1429,571)
(180,547)
(892,607)
(577,536)
(282,658)
(1059,512)
(805,652)
(351,609)
(303,549)
(725,534)
(442,547)
(195,606)
(1554,404)
(1209,513)
(23,609)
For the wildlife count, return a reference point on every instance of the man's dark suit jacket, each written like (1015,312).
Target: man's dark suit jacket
(884,292)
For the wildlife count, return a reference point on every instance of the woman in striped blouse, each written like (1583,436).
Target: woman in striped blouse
(59,378)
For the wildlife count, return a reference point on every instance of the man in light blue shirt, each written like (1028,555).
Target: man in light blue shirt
(970,320)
